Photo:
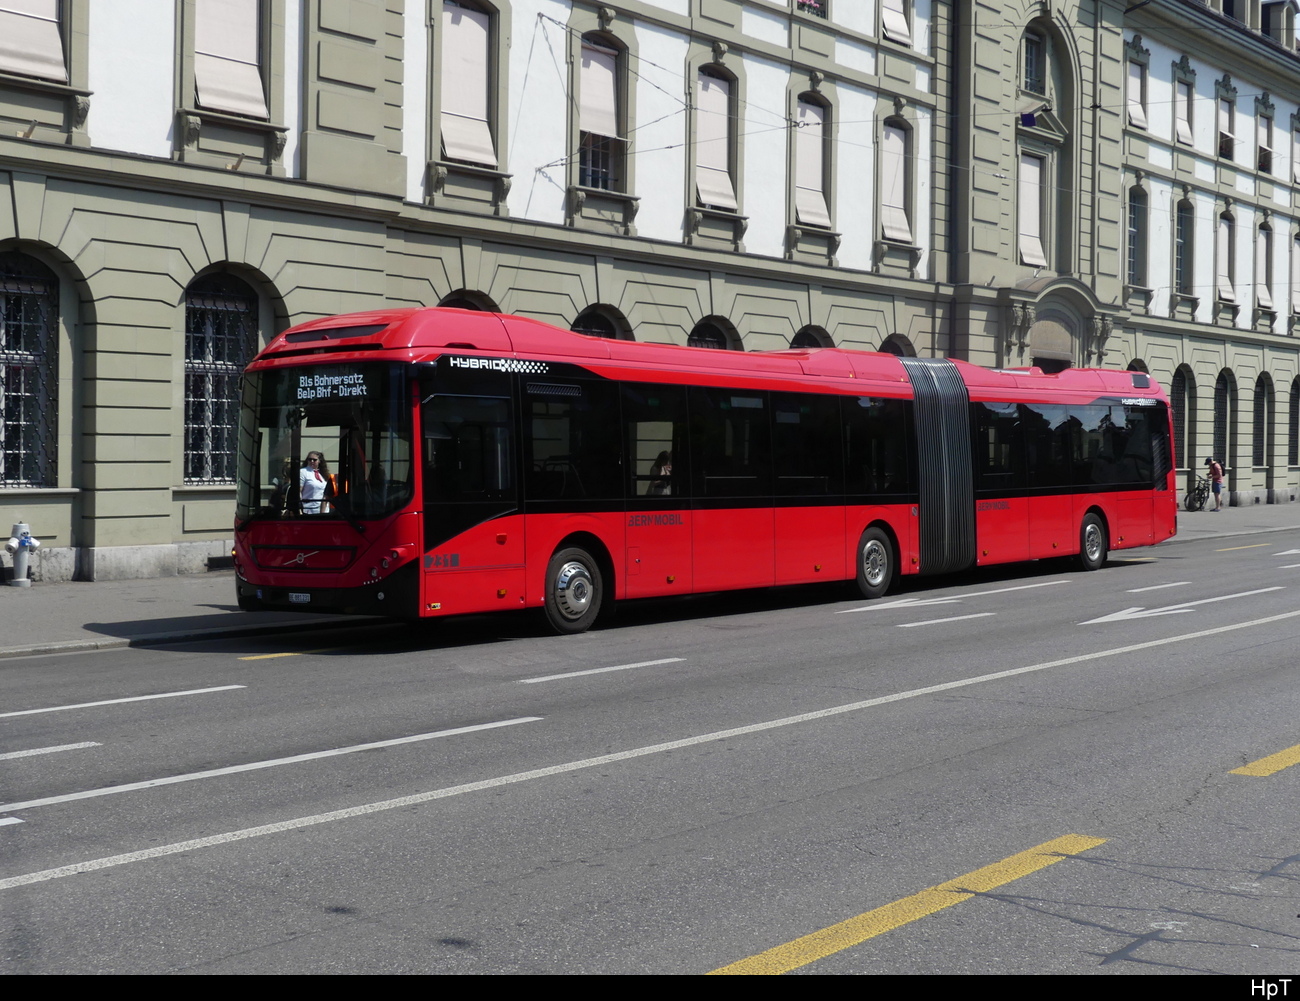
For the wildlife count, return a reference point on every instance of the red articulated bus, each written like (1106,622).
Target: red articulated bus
(425,462)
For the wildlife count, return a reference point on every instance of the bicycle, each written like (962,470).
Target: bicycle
(1194,499)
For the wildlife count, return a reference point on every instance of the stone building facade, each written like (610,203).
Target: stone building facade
(180,179)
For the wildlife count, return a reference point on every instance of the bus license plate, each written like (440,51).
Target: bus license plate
(299,598)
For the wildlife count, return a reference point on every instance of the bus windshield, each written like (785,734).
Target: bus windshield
(325,442)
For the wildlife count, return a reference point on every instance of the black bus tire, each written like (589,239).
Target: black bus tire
(574,591)
(876,562)
(1093,544)
(247,603)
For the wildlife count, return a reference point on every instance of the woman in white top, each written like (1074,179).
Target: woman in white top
(312,479)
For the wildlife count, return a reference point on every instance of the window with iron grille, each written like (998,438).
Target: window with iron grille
(220,339)
(707,335)
(1182,400)
(1293,426)
(1261,446)
(29,376)
(1225,418)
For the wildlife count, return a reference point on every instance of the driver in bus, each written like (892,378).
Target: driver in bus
(312,480)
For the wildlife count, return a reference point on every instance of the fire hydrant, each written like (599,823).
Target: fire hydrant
(20,546)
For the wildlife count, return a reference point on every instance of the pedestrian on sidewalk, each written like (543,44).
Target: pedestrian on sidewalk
(1216,481)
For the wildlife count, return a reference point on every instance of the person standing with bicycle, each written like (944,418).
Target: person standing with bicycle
(1216,481)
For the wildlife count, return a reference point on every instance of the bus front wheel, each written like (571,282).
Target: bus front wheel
(1093,543)
(875,563)
(574,591)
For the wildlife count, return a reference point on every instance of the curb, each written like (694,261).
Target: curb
(181,636)
(332,622)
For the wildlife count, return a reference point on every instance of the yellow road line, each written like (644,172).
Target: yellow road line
(1233,549)
(1265,767)
(296,653)
(828,941)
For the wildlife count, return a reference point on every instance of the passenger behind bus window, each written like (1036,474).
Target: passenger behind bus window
(661,472)
(313,479)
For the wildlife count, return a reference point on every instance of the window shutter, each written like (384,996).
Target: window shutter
(1222,256)
(894,21)
(30,42)
(465,131)
(227,67)
(893,185)
(1263,280)
(1031,211)
(598,104)
(1295,276)
(1183,113)
(1137,113)
(809,193)
(713,143)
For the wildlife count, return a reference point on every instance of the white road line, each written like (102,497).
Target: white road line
(1183,606)
(256,765)
(955,618)
(47,750)
(1290,566)
(947,600)
(601,670)
(1157,587)
(113,702)
(10,820)
(572,766)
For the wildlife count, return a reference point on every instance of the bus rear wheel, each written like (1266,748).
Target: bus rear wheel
(1093,543)
(875,563)
(574,591)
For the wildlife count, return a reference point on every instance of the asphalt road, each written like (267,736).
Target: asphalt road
(1026,770)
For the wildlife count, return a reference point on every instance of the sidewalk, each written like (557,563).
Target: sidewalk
(54,618)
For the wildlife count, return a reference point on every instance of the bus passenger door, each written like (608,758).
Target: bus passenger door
(1001,507)
(732,522)
(1048,431)
(657,555)
(473,559)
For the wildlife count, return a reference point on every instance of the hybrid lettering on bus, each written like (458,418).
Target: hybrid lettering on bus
(428,462)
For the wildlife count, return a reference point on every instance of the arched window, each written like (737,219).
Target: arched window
(1182,400)
(1225,422)
(29,372)
(1137,365)
(596,322)
(1261,440)
(221,320)
(468,299)
(897,344)
(708,335)
(811,337)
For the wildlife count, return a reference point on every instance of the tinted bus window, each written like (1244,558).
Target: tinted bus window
(807,458)
(877,446)
(467,448)
(655,440)
(571,440)
(730,443)
(999,447)
(1049,432)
